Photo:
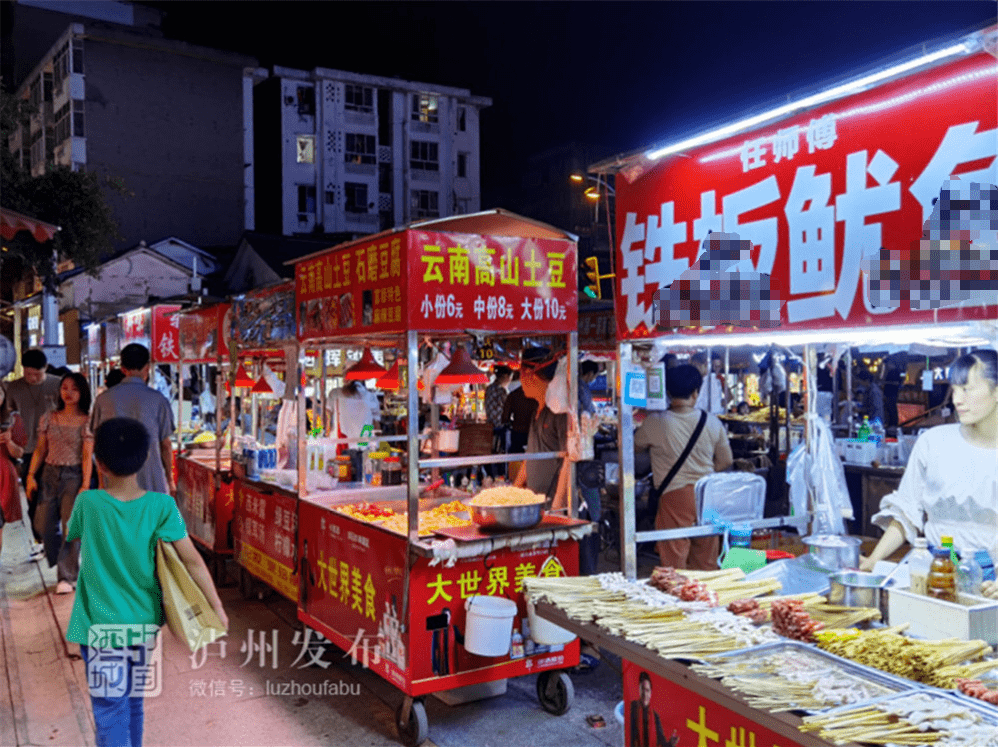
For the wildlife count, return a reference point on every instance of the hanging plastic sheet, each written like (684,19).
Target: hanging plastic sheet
(820,472)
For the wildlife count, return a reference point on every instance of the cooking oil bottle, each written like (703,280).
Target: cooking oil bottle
(942,572)
(919,563)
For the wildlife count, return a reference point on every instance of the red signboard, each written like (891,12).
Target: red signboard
(359,289)
(264,533)
(815,194)
(204,334)
(207,510)
(165,334)
(355,595)
(264,319)
(657,711)
(136,327)
(498,283)
(438,282)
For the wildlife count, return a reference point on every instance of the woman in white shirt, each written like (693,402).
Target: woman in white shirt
(950,486)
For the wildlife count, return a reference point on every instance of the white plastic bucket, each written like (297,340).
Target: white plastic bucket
(489,629)
(546,632)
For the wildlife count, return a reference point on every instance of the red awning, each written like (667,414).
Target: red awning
(11,223)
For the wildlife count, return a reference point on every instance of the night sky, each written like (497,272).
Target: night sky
(619,76)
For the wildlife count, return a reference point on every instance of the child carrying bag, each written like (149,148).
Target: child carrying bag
(188,613)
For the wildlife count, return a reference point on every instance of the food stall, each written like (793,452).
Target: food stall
(265,515)
(813,188)
(204,474)
(439,607)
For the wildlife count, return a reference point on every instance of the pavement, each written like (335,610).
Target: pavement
(235,694)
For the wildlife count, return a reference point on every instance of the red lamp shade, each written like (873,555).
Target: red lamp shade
(242,378)
(392,380)
(365,368)
(262,387)
(461,370)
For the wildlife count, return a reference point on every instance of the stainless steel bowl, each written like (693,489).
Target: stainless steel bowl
(834,552)
(857,589)
(507,517)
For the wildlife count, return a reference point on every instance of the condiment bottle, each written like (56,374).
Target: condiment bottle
(918,565)
(942,575)
(969,575)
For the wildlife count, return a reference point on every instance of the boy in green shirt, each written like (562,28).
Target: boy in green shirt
(119,603)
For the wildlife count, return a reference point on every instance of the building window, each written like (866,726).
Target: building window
(462,118)
(35,98)
(78,56)
(463,206)
(385,178)
(423,155)
(360,149)
(359,99)
(46,86)
(60,64)
(62,123)
(424,108)
(79,129)
(330,196)
(37,148)
(356,195)
(306,100)
(425,204)
(306,148)
(306,201)
(462,164)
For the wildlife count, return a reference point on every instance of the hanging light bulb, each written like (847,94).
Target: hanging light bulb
(461,370)
(365,368)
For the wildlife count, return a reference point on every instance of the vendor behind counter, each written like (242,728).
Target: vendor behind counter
(950,486)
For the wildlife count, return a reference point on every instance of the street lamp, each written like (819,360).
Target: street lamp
(593,193)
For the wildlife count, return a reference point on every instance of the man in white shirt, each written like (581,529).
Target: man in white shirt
(713,395)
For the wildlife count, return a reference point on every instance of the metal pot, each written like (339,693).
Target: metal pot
(507,517)
(834,552)
(858,589)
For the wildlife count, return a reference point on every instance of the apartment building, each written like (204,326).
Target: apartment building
(162,117)
(346,154)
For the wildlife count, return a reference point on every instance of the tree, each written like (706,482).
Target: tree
(70,199)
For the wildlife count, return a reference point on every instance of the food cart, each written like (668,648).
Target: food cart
(408,610)
(204,475)
(815,187)
(265,519)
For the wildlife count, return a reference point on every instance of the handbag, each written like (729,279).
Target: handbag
(188,614)
(656,492)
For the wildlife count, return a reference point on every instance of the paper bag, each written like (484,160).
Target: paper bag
(188,613)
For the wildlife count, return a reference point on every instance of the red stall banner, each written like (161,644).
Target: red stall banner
(439,282)
(204,334)
(207,510)
(263,535)
(814,194)
(165,334)
(136,327)
(358,289)
(508,284)
(657,711)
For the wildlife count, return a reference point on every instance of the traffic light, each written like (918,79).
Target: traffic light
(593,290)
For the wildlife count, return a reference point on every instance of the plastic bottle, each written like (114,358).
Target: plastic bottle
(942,575)
(969,575)
(864,430)
(877,431)
(919,563)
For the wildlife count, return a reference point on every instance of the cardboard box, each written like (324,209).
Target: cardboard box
(974,618)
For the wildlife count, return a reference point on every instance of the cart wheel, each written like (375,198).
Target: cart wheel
(555,692)
(246,584)
(416,728)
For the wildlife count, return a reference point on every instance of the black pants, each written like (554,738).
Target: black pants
(32,502)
